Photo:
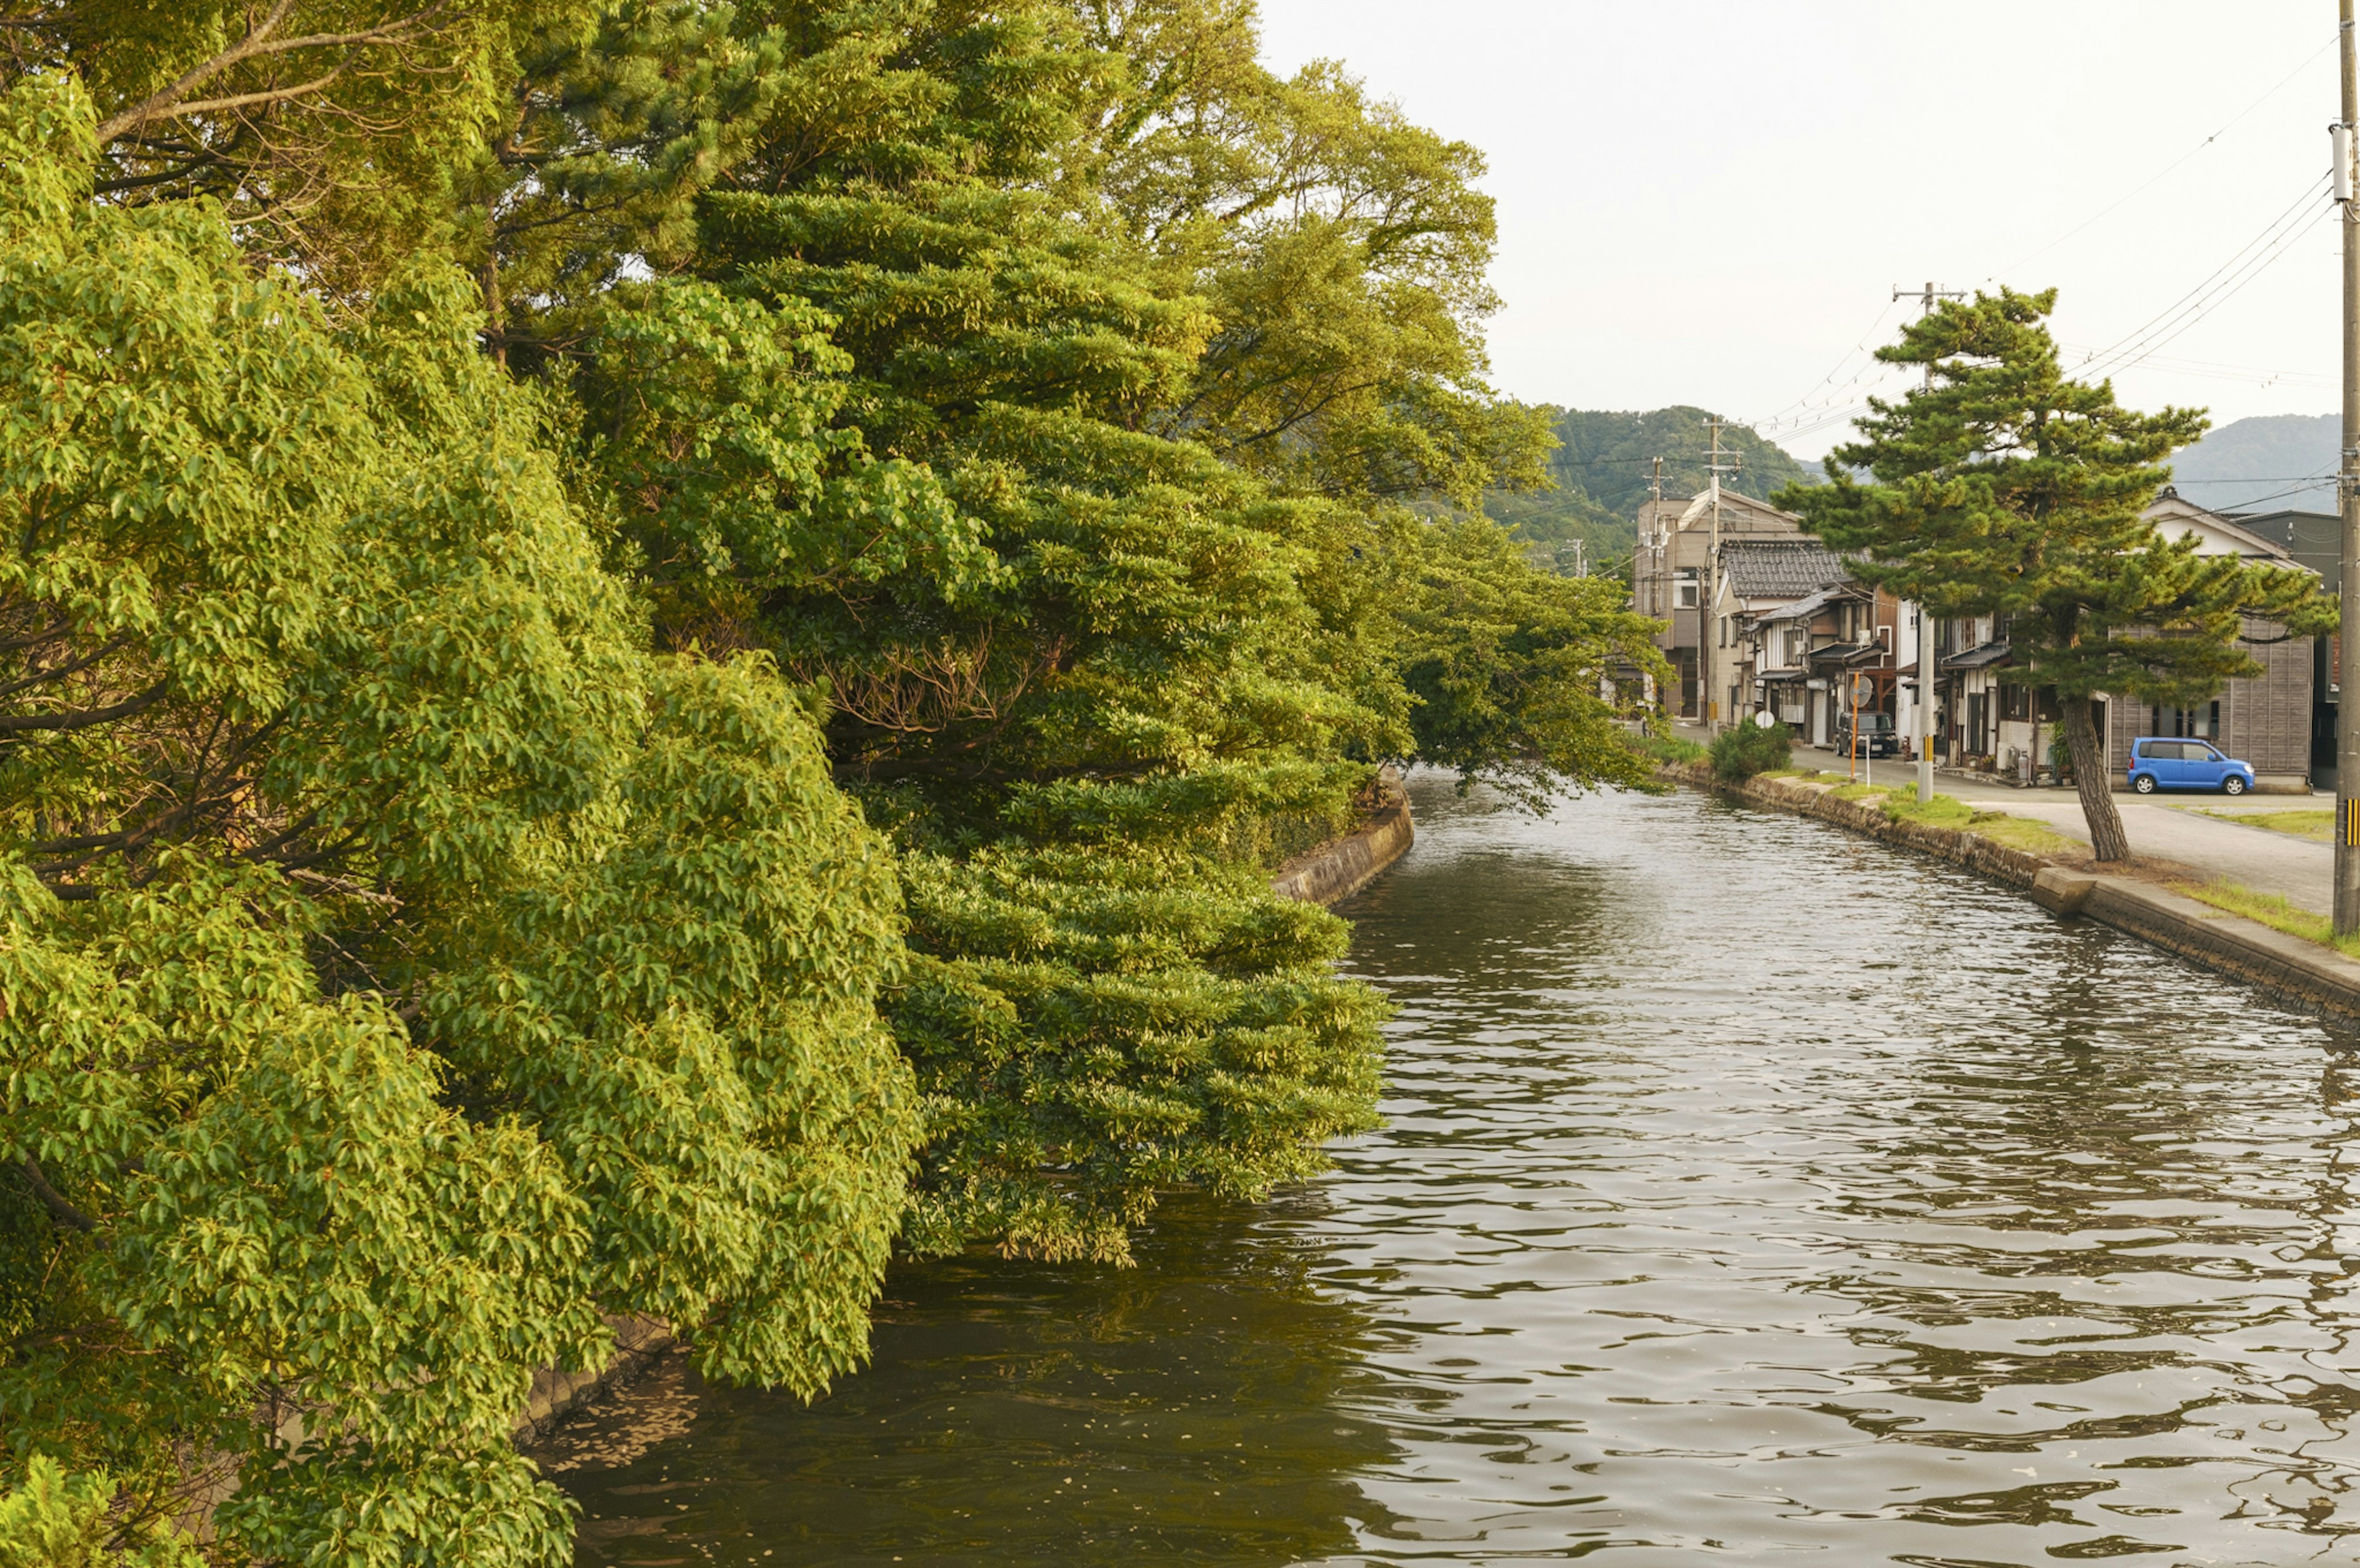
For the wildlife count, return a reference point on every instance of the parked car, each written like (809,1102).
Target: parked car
(2158,764)
(1877,736)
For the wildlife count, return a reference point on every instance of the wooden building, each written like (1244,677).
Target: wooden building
(2266,719)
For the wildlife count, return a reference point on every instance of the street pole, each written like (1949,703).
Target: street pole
(1708,617)
(1926,621)
(2347,504)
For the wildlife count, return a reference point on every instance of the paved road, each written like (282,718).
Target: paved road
(2167,829)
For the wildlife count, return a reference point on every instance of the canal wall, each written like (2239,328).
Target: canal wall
(1342,866)
(2302,974)
(639,1340)
(2016,866)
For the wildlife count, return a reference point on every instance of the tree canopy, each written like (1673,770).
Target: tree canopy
(647,651)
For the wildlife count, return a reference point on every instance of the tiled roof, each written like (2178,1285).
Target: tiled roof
(1778,569)
(1982,658)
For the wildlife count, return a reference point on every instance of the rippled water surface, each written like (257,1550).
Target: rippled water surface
(1751,1192)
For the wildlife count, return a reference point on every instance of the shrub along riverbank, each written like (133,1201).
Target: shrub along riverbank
(648,654)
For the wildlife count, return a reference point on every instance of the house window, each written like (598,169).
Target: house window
(2202,722)
(2016,703)
(1686,590)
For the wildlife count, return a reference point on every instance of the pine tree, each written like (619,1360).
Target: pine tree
(2006,488)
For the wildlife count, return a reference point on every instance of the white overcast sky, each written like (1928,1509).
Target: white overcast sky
(1709,202)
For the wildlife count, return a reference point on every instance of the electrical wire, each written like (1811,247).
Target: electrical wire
(2314,482)
(2249,261)
(1815,410)
(1774,417)
(2175,164)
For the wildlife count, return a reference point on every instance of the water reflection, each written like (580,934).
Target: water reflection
(1749,1192)
(1198,1409)
(1797,1195)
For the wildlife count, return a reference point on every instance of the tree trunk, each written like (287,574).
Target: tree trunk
(2095,782)
(494,307)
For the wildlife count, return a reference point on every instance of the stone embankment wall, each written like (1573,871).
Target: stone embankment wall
(2299,973)
(639,1340)
(1342,866)
(1973,851)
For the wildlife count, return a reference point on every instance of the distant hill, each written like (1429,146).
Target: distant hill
(1605,464)
(2262,463)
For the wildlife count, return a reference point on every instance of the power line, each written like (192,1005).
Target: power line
(2248,262)
(2175,163)
(1860,347)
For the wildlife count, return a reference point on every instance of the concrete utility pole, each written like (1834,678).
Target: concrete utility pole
(1706,614)
(2347,506)
(1926,299)
(1657,543)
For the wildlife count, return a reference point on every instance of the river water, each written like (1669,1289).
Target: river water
(1751,1192)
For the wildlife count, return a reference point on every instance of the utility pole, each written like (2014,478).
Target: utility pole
(1657,535)
(2347,504)
(1926,299)
(1705,613)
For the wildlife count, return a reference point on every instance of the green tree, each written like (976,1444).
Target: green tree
(400,966)
(332,130)
(2006,488)
(1509,665)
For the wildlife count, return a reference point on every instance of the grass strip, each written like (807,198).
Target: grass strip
(2023,834)
(1669,749)
(2271,910)
(2318,826)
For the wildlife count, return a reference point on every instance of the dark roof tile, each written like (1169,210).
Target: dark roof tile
(1779,569)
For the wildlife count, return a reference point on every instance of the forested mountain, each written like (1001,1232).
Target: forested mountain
(1603,464)
(2265,463)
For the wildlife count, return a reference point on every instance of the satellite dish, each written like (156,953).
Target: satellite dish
(1765,719)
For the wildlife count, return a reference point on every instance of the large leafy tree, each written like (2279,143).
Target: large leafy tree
(2005,487)
(332,130)
(435,772)
(400,966)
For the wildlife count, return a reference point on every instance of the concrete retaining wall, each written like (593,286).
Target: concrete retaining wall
(1971,850)
(1342,866)
(639,1340)
(2297,974)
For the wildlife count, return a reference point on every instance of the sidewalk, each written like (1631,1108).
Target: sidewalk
(2174,827)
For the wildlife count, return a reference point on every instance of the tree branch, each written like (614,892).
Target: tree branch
(257,42)
(13,723)
(65,1213)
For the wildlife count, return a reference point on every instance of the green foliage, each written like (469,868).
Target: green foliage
(434,909)
(399,965)
(331,130)
(1669,749)
(1507,664)
(1092,1027)
(1743,750)
(61,1520)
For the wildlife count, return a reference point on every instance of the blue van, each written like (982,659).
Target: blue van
(2158,764)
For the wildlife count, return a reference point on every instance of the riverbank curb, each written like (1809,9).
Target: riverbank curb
(2017,866)
(555,1394)
(1342,866)
(2294,972)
